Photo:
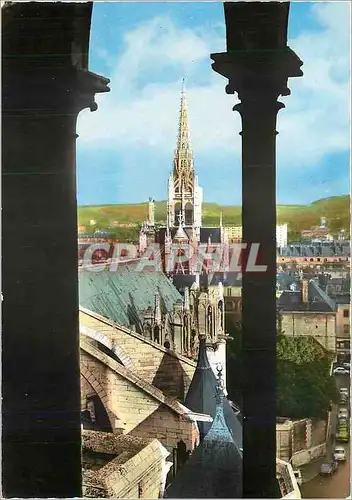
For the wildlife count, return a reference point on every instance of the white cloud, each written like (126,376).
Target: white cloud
(137,114)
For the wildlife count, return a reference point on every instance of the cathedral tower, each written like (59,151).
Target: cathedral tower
(184,194)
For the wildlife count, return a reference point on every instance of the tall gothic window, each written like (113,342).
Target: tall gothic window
(210,321)
(221,309)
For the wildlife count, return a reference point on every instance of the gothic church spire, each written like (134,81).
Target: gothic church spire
(183,160)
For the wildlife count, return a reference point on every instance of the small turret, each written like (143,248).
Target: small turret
(151,212)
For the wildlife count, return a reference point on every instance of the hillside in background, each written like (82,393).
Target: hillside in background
(298,217)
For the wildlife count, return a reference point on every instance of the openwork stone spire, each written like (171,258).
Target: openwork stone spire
(183,159)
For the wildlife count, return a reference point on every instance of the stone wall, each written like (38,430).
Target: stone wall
(300,440)
(320,325)
(343,322)
(138,408)
(284,440)
(305,456)
(170,372)
(168,428)
(134,471)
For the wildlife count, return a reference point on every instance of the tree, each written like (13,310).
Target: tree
(305,387)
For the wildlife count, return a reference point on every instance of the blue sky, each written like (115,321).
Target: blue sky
(125,149)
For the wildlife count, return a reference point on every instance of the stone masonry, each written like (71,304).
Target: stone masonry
(170,372)
(134,406)
(134,468)
(320,325)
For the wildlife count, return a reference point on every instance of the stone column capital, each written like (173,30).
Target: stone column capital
(57,91)
(258,76)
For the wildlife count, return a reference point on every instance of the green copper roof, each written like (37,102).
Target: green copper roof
(125,294)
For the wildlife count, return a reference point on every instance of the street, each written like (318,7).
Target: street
(337,485)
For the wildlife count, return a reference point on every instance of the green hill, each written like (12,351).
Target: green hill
(336,209)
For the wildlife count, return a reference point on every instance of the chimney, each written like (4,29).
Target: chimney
(304,285)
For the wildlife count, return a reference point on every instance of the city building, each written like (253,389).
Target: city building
(234,234)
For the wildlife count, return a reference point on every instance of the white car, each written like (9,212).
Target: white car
(343,412)
(339,454)
(344,390)
(341,371)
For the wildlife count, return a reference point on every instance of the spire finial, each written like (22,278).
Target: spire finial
(219,390)
(183,173)
(183,90)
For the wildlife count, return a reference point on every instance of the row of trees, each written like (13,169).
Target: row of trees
(305,387)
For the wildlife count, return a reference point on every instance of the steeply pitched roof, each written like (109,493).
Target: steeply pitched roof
(214,233)
(125,294)
(214,470)
(227,279)
(285,280)
(200,397)
(320,300)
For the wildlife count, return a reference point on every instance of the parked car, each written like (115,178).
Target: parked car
(342,421)
(343,399)
(339,454)
(342,434)
(327,469)
(344,395)
(298,476)
(340,370)
(343,412)
(347,365)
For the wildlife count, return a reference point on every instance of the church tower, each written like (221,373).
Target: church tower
(184,194)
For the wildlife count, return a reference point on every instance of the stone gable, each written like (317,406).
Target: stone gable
(138,407)
(170,372)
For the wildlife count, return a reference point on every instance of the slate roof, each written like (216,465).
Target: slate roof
(124,295)
(205,233)
(214,469)
(213,232)
(227,279)
(285,280)
(343,299)
(318,300)
(200,397)
(290,301)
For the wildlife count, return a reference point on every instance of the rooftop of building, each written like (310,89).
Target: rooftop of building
(201,397)
(109,459)
(214,469)
(124,295)
(317,300)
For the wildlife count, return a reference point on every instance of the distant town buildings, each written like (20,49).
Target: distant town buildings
(234,234)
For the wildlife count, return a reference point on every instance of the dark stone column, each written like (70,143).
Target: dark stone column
(45,85)
(257,64)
